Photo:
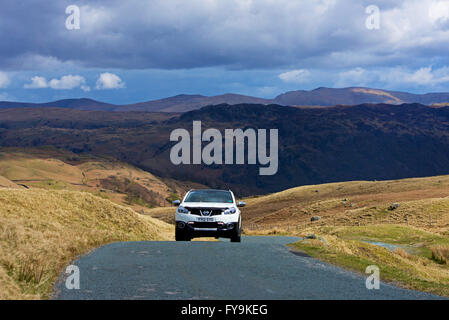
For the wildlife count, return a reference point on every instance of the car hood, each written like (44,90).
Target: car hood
(207,205)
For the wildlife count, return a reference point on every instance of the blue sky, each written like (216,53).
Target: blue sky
(137,50)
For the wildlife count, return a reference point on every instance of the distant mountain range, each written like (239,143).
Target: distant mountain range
(323,97)
(316,145)
(77,104)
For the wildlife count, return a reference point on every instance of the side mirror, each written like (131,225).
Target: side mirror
(241,204)
(176,203)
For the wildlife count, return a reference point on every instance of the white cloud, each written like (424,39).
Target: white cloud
(416,25)
(67,82)
(4,80)
(109,81)
(36,83)
(427,76)
(295,76)
(439,11)
(421,76)
(396,77)
(31,61)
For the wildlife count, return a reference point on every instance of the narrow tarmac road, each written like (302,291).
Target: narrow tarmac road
(256,268)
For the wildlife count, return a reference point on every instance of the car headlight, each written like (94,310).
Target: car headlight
(183,210)
(230,211)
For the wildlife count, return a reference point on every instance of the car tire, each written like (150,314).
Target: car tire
(181,237)
(236,239)
(236,236)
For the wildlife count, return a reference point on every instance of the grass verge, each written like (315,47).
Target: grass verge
(42,231)
(405,266)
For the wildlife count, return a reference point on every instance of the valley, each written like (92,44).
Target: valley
(316,145)
(360,185)
(70,203)
(53,169)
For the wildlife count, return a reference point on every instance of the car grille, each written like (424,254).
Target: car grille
(196,211)
(204,225)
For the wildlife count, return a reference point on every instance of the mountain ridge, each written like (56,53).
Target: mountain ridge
(321,97)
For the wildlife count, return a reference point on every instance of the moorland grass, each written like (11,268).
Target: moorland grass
(42,231)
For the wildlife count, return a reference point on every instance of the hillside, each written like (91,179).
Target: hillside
(423,202)
(52,169)
(356,95)
(6,183)
(16,118)
(402,226)
(42,231)
(184,103)
(80,104)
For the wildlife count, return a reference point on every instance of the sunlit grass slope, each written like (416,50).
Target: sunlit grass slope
(42,231)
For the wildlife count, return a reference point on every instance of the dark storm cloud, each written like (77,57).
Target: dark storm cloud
(178,33)
(235,34)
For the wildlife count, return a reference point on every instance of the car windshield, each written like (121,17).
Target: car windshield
(209,196)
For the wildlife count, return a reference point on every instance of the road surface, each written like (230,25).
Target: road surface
(256,268)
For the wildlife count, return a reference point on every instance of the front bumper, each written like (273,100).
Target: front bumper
(207,229)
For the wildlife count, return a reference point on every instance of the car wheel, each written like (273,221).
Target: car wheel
(181,237)
(236,237)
